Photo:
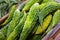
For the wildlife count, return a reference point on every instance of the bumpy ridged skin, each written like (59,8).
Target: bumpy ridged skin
(55,20)
(41,6)
(4,30)
(30,21)
(43,27)
(29,4)
(46,10)
(15,20)
(11,12)
(17,29)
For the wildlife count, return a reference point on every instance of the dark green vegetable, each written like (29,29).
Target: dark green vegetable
(3,7)
(40,8)
(30,21)
(43,27)
(15,20)
(17,29)
(4,31)
(55,20)
(11,12)
(47,9)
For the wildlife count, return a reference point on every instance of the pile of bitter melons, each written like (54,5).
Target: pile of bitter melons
(31,20)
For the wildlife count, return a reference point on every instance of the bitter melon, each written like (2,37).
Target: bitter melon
(47,9)
(17,29)
(40,8)
(15,20)
(30,20)
(42,28)
(4,31)
(55,20)
(11,12)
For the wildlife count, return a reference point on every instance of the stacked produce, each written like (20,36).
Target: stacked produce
(30,20)
(5,5)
